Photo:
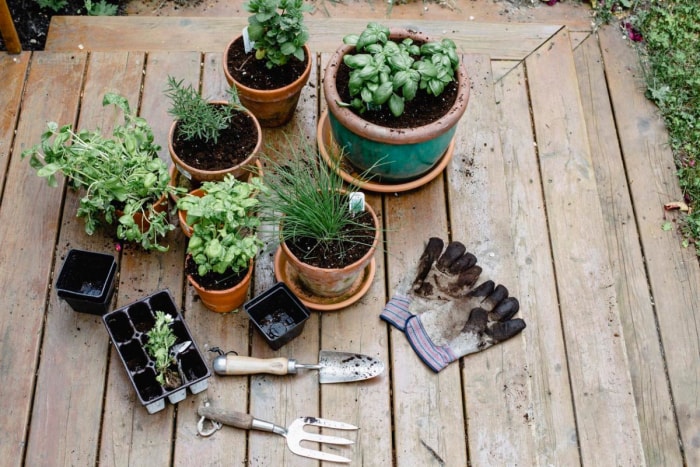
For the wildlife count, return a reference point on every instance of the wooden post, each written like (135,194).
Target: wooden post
(7,29)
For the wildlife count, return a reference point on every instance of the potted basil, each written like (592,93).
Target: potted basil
(394,98)
(270,62)
(121,176)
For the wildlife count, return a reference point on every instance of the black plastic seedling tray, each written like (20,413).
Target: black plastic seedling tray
(128,327)
(86,281)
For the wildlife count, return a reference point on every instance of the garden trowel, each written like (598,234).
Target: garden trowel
(333,367)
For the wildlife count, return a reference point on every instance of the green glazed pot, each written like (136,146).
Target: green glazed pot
(391,155)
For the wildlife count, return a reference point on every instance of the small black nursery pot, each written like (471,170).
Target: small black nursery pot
(277,314)
(128,330)
(86,281)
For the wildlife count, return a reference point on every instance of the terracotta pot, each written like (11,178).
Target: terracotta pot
(274,107)
(182,215)
(142,221)
(324,282)
(176,178)
(224,301)
(391,155)
(198,175)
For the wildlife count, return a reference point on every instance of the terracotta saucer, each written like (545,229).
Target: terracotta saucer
(350,175)
(284,273)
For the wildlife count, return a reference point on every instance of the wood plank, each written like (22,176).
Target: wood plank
(75,343)
(130,435)
(512,41)
(228,331)
(549,408)
(27,267)
(608,429)
(13,72)
(673,271)
(358,328)
(647,366)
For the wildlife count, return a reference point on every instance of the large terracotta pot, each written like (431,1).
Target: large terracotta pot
(195,174)
(391,155)
(273,107)
(224,301)
(324,282)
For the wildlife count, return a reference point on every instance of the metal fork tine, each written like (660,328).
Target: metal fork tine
(320,455)
(328,423)
(326,439)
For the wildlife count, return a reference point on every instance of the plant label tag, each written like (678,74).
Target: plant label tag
(247,43)
(357,202)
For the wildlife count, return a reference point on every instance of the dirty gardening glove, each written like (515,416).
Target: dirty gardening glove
(443,314)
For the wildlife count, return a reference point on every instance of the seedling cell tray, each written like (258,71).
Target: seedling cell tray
(86,281)
(128,327)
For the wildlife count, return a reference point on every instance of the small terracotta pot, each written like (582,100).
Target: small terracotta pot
(274,107)
(199,175)
(224,301)
(142,221)
(330,283)
(387,153)
(182,215)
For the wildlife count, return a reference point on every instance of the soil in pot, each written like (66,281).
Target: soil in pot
(249,71)
(234,146)
(212,280)
(338,254)
(422,110)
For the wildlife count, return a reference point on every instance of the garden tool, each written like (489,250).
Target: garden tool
(333,367)
(295,434)
(443,313)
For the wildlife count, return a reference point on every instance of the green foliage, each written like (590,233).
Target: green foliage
(277,29)
(671,31)
(122,171)
(307,198)
(54,5)
(197,118)
(224,225)
(100,8)
(160,339)
(390,73)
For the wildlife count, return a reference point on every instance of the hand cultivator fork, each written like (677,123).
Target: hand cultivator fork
(295,434)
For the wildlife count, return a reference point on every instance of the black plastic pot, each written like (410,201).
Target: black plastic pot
(128,327)
(277,314)
(86,281)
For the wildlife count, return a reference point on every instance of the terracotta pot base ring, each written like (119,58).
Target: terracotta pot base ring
(284,273)
(348,173)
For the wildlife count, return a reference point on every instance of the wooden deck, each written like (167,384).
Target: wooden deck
(560,173)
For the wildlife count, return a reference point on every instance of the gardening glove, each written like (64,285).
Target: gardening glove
(443,314)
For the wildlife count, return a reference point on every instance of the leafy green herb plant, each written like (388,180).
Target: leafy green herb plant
(118,173)
(277,29)
(196,117)
(308,199)
(54,5)
(161,338)
(384,72)
(101,8)
(224,225)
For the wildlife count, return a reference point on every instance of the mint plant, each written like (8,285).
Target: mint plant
(196,117)
(224,225)
(384,72)
(277,30)
(121,172)
(161,338)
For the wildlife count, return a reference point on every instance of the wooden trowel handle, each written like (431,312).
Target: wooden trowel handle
(238,365)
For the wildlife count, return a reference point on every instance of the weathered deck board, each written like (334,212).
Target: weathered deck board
(13,71)
(672,271)
(28,246)
(659,433)
(606,416)
(513,41)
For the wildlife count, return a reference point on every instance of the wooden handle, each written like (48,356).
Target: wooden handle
(237,419)
(238,365)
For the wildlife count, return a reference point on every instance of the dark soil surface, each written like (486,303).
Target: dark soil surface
(422,110)
(32,21)
(235,145)
(212,280)
(247,70)
(338,254)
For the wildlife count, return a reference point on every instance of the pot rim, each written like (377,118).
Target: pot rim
(190,169)
(198,287)
(374,132)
